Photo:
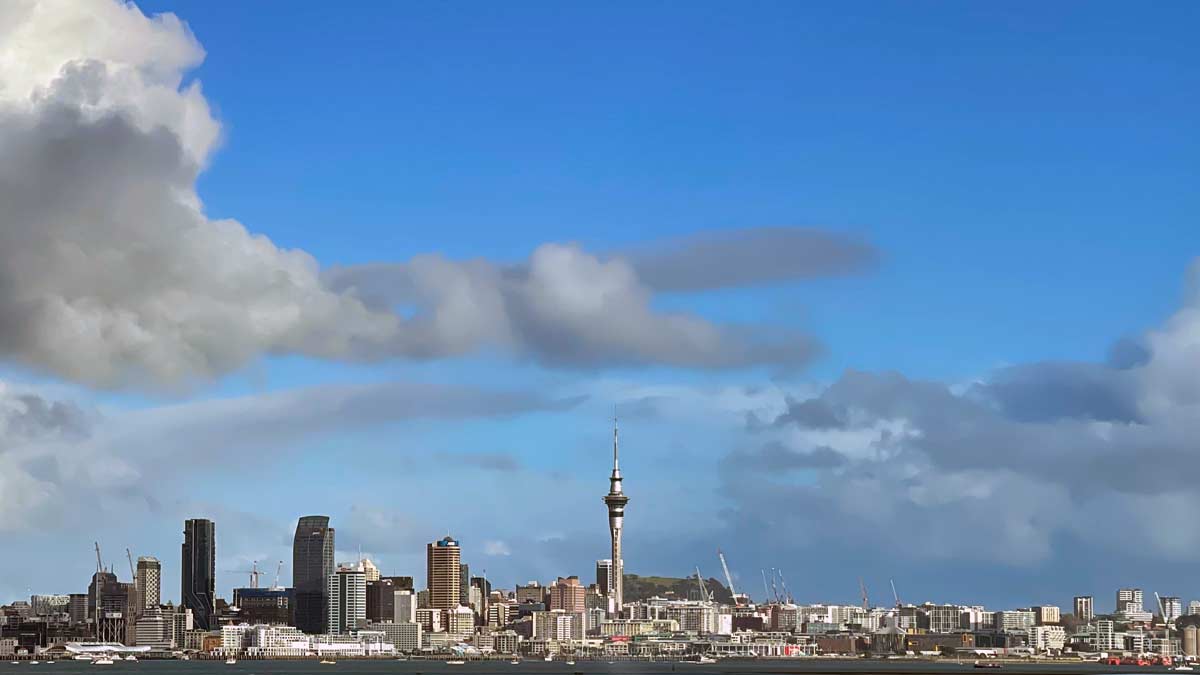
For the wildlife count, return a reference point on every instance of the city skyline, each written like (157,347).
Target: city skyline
(899,293)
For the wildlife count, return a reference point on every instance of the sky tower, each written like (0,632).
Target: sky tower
(616,500)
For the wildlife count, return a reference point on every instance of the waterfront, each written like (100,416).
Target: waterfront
(534,667)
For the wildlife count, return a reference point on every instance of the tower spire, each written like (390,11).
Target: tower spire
(616,463)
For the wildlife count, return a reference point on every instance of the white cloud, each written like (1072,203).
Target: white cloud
(495,547)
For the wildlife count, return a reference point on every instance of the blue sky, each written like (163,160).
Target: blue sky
(1023,173)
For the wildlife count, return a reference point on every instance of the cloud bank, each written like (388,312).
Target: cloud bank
(998,470)
(111,273)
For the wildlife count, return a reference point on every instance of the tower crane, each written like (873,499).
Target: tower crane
(728,576)
(783,582)
(894,593)
(766,590)
(703,591)
(862,590)
(774,586)
(132,571)
(253,572)
(278,571)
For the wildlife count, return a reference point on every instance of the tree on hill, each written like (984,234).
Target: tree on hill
(674,588)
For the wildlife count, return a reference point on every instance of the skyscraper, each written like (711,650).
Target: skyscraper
(616,500)
(149,582)
(347,600)
(568,595)
(604,576)
(312,565)
(200,572)
(444,573)
(464,584)
(1084,608)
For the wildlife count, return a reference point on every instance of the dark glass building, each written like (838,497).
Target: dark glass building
(271,606)
(199,592)
(312,563)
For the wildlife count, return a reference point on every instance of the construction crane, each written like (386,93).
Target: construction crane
(774,586)
(132,571)
(253,572)
(783,583)
(99,571)
(278,571)
(700,582)
(766,591)
(728,576)
(862,590)
(894,593)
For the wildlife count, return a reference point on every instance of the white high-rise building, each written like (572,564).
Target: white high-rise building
(406,607)
(347,600)
(1172,607)
(1085,609)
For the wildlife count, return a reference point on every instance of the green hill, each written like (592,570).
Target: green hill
(642,588)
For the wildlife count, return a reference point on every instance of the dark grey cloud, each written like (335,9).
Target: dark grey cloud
(1048,391)
(749,257)
(774,456)
(25,416)
(812,413)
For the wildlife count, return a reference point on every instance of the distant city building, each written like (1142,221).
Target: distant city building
(1047,615)
(312,565)
(1085,609)
(370,571)
(1193,607)
(430,619)
(532,592)
(149,582)
(381,600)
(77,608)
(405,637)
(1129,600)
(199,569)
(464,584)
(347,600)
(604,575)
(568,595)
(444,573)
(1172,607)
(49,605)
(264,606)
(404,609)
(460,621)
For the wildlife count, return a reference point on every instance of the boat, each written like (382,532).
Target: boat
(34,663)
(548,658)
(456,663)
(570,663)
(705,659)
(83,657)
(514,662)
(230,661)
(131,657)
(1182,667)
(328,662)
(988,664)
(102,661)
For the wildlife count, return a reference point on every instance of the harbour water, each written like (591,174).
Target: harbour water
(724,667)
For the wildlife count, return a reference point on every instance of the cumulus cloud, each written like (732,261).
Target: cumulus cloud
(1031,453)
(112,274)
(563,307)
